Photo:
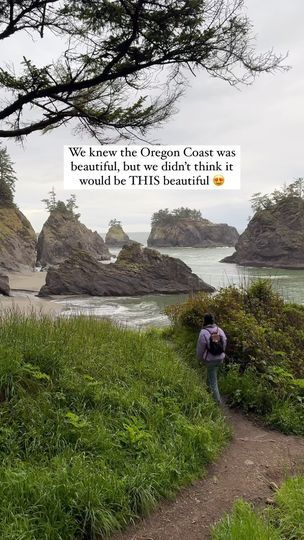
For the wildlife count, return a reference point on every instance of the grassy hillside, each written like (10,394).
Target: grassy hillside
(97,423)
(264,372)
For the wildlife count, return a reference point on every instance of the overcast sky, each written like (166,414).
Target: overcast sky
(266,119)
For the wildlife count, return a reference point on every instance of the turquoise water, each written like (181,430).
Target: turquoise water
(147,311)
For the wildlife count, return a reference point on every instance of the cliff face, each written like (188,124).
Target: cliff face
(116,237)
(274,237)
(17,241)
(136,271)
(62,235)
(190,233)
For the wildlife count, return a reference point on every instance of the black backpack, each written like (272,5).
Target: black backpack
(216,345)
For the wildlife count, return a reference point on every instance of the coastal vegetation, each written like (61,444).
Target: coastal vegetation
(114,223)
(263,375)
(261,201)
(7,179)
(108,49)
(165,217)
(282,521)
(264,371)
(97,424)
(68,208)
(17,236)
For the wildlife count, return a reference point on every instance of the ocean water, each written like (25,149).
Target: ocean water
(147,311)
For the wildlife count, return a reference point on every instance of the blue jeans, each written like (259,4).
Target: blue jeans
(212,370)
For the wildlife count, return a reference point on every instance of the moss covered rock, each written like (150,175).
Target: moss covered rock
(116,237)
(17,241)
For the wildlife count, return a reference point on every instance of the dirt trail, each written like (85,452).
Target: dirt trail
(255,458)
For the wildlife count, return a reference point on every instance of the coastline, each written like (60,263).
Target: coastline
(24,288)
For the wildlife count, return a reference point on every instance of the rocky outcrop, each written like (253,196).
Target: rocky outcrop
(193,233)
(274,237)
(4,285)
(137,271)
(62,235)
(18,241)
(116,237)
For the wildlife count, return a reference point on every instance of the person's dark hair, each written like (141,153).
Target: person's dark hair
(208,319)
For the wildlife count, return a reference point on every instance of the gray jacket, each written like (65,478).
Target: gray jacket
(202,353)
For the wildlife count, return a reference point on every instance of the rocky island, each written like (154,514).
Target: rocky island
(116,237)
(184,227)
(274,237)
(137,271)
(63,234)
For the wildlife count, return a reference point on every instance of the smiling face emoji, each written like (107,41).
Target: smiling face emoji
(218,180)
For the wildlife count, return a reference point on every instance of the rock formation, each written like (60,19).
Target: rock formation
(62,235)
(274,237)
(137,271)
(192,233)
(116,237)
(18,241)
(4,285)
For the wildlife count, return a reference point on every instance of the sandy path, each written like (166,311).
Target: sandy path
(255,458)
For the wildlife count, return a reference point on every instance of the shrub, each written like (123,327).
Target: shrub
(265,352)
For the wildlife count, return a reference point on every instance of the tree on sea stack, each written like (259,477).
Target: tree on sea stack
(274,236)
(115,52)
(69,207)
(163,217)
(261,201)
(7,179)
(114,223)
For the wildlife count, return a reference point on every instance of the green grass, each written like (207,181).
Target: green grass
(244,524)
(281,408)
(284,521)
(97,424)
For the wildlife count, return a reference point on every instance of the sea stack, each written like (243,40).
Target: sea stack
(137,271)
(187,228)
(274,237)
(116,237)
(62,235)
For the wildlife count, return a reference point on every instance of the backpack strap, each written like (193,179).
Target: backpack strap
(207,346)
(217,332)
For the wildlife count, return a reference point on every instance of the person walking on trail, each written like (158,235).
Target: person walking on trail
(210,350)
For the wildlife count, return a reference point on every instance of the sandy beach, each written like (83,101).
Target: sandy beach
(24,290)
(26,281)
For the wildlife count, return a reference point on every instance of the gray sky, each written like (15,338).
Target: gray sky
(266,119)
